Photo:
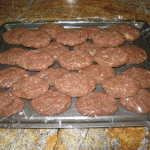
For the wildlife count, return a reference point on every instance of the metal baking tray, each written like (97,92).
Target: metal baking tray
(71,118)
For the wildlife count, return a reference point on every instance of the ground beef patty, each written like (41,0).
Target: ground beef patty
(121,86)
(91,31)
(140,74)
(136,55)
(51,74)
(108,38)
(140,103)
(35,60)
(51,103)
(30,87)
(9,76)
(9,104)
(112,57)
(10,56)
(72,37)
(75,60)
(52,29)
(75,84)
(128,31)
(55,49)
(35,39)
(92,48)
(12,36)
(97,72)
(96,103)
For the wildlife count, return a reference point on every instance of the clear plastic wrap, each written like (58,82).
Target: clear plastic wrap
(71,118)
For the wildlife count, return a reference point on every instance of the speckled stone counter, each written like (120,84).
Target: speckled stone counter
(33,10)
(131,138)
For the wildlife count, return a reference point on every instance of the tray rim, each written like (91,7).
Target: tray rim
(75,21)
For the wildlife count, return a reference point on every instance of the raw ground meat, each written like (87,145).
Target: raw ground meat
(12,36)
(121,86)
(128,31)
(5,99)
(108,38)
(140,74)
(10,56)
(72,37)
(10,104)
(55,49)
(35,39)
(9,76)
(98,72)
(92,48)
(75,60)
(91,31)
(75,84)
(112,57)
(136,55)
(35,60)
(52,29)
(52,103)
(51,74)
(97,103)
(140,103)
(30,87)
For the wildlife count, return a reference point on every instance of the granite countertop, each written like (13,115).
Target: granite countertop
(33,10)
(69,139)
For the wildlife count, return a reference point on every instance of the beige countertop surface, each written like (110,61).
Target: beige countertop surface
(36,10)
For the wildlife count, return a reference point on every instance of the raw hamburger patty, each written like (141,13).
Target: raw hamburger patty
(128,31)
(35,39)
(91,31)
(9,76)
(112,57)
(108,38)
(51,103)
(140,74)
(30,87)
(92,48)
(51,74)
(75,84)
(52,29)
(136,55)
(10,56)
(96,104)
(140,103)
(35,60)
(55,49)
(98,72)
(12,36)
(72,37)
(75,60)
(9,104)
(121,86)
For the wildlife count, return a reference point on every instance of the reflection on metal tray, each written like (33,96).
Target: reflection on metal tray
(71,118)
